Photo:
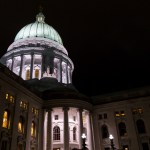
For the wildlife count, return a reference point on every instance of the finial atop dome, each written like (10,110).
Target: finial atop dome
(40,17)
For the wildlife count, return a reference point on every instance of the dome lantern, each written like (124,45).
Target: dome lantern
(40,17)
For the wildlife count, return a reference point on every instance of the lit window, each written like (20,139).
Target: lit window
(21,125)
(28,74)
(21,104)
(6,96)
(33,129)
(36,73)
(10,98)
(6,122)
(125,147)
(117,114)
(122,113)
(56,117)
(140,110)
(24,105)
(35,111)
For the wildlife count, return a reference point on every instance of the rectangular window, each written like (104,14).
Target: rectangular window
(10,98)
(105,116)
(35,111)
(74,118)
(140,110)
(56,117)
(125,147)
(24,105)
(134,111)
(100,117)
(117,114)
(122,113)
(6,96)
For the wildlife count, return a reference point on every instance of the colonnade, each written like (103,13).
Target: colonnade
(65,142)
(29,66)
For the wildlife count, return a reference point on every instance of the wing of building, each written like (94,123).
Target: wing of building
(40,109)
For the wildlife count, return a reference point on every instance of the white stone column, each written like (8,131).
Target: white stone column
(60,67)
(31,67)
(67,73)
(21,65)
(41,67)
(66,129)
(80,127)
(45,130)
(60,70)
(12,65)
(89,132)
(70,75)
(49,130)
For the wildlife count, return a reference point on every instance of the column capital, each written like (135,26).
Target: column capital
(32,53)
(80,109)
(49,110)
(65,108)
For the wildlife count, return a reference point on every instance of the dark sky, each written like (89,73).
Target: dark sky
(108,40)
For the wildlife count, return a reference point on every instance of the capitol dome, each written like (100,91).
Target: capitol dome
(39,29)
(38,52)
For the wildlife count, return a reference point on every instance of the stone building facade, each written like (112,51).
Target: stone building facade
(40,109)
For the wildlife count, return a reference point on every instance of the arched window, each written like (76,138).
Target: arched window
(74,134)
(140,126)
(105,133)
(36,73)
(27,74)
(21,125)
(56,133)
(33,129)
(122,129)
(6,119)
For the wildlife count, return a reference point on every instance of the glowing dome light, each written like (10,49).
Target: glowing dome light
(39,29)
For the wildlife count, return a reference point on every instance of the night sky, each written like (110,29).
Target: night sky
(108,40)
